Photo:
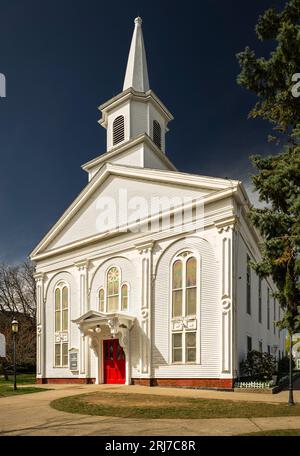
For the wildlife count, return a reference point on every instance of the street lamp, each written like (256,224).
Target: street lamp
(15,329)
(291,396)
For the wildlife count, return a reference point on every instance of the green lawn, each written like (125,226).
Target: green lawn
(156,406)
(279,432)
(6,387)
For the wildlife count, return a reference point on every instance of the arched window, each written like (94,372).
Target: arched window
(118,130)
(61,324)
(101,300)
(156,133)
(177,289)
(114,297)
(184,304)
(124,297)
(113,283)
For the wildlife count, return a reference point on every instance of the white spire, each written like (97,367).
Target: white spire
(136,72)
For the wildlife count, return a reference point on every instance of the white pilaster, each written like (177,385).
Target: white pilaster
(82,268)
(145,251)
(226,245)
(40,321)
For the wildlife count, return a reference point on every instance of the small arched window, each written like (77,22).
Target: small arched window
(118,130)
(124,297)
(101,300)
(157,134)
(113,283)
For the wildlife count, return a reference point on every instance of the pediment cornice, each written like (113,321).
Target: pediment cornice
(219,188)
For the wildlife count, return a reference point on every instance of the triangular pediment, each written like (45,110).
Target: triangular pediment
(113,187)
(94,317)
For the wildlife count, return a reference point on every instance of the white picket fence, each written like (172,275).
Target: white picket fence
(254,384)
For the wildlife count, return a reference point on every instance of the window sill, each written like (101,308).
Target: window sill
(191,363)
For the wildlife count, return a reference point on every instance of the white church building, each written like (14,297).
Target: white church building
(145,278)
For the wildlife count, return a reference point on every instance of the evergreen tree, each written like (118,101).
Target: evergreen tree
(278,177)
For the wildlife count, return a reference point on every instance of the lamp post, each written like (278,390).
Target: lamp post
(15,329)
(291,396)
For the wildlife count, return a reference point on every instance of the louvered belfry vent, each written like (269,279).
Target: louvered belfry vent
(118,130)
(157,133)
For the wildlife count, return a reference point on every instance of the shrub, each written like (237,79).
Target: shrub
(284,365)
(258,366)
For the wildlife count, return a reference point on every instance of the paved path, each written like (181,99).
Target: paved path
(31,414)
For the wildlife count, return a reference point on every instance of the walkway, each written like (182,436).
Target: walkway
(31,414)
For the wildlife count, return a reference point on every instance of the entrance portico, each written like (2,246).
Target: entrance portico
(100,328)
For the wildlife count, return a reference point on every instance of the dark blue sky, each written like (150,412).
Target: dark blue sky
(62,59)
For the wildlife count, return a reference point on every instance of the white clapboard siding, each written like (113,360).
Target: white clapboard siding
(249,325)
(209,316)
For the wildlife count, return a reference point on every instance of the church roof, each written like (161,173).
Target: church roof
(136,72)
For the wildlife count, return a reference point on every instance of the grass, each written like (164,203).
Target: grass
(6,387)
(157,406)
(279,432)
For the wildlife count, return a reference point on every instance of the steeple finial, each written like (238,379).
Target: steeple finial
(136,72)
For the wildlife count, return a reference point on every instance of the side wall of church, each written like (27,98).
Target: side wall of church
(254,326)
(208,317)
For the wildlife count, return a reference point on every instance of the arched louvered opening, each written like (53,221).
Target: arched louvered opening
(118,130)
(157,133)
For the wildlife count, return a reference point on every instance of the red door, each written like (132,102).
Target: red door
(114,362)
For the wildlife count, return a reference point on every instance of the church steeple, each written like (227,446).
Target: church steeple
(136,120)
(137,72)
